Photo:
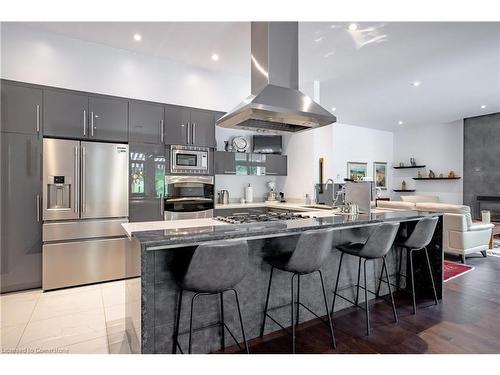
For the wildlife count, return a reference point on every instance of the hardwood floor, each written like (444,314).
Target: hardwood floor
(466,321)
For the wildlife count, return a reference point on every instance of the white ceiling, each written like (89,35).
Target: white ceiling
(366,74)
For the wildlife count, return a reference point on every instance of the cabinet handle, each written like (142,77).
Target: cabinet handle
(162,135)
(37,118)
(229,172)
(91,124)
(161,206)
(84,122)
(76,193)
(193,129)
(38,207)
(188,131)
(272,173)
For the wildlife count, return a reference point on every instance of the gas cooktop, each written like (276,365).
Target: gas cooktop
(272,216)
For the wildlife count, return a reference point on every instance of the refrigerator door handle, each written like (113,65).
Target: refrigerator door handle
(76,192)
(84,179)
(162,207)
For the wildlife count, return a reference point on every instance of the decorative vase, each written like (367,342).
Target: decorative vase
(451,174)
(413,162)
(403,185)
(432,174)
(419,174)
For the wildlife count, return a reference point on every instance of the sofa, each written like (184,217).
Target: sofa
(461,236)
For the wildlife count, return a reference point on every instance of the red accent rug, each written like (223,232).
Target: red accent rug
(452,270)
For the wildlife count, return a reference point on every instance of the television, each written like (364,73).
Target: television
(267,144)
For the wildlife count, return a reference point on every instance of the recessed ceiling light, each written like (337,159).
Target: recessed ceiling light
(215,57)
(137,37)
(400,122)
(334,109)
(353,26)
(416,83)
(483,106)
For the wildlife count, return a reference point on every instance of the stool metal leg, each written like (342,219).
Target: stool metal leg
(398,281)
(380,281)
(337,283)
(292,307)
(191,322)
(177,322)
(412,282)
(390,290)
(298,300)
(326,307)
(267,302)
(241,320)
(432,277)
(366,301)
(357,285)
(223,332)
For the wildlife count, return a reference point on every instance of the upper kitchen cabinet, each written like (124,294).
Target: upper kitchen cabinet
(108,119)
(65,114)
(186,126)
(21,108)
(176,125)
(276,165)
(202,128)
(224,162)
(146,122)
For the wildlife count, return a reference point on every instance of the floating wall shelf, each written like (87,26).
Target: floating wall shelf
(404,191)
(436,178)
(409,166)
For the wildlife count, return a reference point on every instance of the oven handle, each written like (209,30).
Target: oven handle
(188,199)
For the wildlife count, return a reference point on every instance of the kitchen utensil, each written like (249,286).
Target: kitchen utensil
(224,194)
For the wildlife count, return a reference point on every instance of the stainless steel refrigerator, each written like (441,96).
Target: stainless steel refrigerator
(85,201)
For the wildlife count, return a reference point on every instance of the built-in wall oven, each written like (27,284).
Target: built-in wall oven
(189,160)
(188,197)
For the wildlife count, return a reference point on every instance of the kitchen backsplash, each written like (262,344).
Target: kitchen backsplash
(236,186)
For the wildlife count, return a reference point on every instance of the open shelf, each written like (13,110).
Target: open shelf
(404,191)
(436,178)
(409,166)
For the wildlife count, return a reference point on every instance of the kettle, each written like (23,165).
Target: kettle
(224,197)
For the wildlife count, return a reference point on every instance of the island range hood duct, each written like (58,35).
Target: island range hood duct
(276,105)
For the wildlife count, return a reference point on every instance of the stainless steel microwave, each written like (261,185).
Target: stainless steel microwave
(189,159)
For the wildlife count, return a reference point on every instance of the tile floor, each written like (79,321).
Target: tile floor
(88,319)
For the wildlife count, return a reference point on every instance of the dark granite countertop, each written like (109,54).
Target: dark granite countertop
(172,238)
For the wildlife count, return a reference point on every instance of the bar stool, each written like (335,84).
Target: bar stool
(311,250)
(215,268)
(418,241)
(376,247)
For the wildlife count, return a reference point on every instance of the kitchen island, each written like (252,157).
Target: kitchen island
(151,306)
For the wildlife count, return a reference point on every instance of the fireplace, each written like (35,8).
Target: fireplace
(489,203)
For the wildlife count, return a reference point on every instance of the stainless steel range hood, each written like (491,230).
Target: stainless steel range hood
(276,105)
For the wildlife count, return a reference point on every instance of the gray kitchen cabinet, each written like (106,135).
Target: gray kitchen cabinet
(146,122)
(224,162)
(187,126)
(145,210)
(21,108)
(202,128)
(276,165)
(65,114)
(176,125)
(108,119)
(21,226)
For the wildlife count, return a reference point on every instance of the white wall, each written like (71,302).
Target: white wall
(440,148)
(337,144)
(51,59)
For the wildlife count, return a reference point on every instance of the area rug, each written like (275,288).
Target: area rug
(453,270)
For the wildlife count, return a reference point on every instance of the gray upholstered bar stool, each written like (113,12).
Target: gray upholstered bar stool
(417,241)
(376,247)
(215,268)
(311,250)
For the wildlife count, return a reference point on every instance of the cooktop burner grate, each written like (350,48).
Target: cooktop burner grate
(272,216)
